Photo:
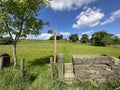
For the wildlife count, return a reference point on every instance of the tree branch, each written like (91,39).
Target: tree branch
(8,30)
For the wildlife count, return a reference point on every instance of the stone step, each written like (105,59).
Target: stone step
(68,68)
(68,80)
(69,75)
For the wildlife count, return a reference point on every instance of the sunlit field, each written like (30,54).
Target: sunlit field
(35,49)
(37,68)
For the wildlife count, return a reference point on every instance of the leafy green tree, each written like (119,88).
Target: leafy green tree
(18,18)
(84,38)
(59,37)
(115,40)
(74,37)
(101,38)
(52,37)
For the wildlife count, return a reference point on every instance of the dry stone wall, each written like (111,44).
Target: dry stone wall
(96,67)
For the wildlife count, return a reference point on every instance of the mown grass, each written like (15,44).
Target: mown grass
(37,68)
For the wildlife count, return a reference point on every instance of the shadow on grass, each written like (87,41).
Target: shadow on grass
(37,62)
(40,61)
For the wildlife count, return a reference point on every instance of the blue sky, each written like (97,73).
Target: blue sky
(81,16)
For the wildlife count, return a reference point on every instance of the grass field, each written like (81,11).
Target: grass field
(33,50)
(37,54)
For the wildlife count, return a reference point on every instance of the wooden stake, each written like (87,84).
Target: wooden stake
(51,68)
(54,47)
(1,63)
(22,67)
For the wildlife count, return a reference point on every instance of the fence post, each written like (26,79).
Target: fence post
(1,63)
(60,67)
(51,68)
(22,67)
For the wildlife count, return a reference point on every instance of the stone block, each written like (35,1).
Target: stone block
(80,67)
(113,77)
(96,76)
(81,75)
(91,71)
(116,61)
(91,59)
(116,69)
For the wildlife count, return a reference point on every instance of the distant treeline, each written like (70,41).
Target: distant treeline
(5,41)
(58,37)
(100,38)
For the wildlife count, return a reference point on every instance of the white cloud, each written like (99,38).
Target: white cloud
(7,35)
(95,24)
(43,36)
(65,33)
(115,15)
(89,17)
(69,4)
(118,35)
(88,32)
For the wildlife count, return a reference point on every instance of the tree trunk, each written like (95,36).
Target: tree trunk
(14,55)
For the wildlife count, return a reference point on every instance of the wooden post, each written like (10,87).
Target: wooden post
(22,67)
(1,63)
(51,68)
(54,47)
(54,32)
(60,66)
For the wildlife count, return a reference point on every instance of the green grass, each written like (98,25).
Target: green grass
(37,68)
(33,50)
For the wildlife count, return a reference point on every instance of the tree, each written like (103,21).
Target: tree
(101,38)
(59,37)
(18,18)
(74,37)
(52,37)
(115,40)
(84,38)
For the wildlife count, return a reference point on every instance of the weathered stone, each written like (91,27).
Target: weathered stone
(80,67)
(116,61)
(116,69)
(113,77)
(91,59)
(92,67)
(95,71)
(69,74)
(96,67)
(105,72)
(96,76)
(82,75)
